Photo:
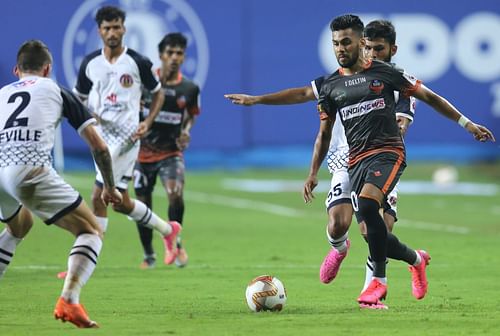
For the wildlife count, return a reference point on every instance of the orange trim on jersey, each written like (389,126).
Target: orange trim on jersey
(323,116)
(147,156)
(393,174)
(370,197)
(179,76)
(411,90)
(193,110)
(365,66)
(371,152)
(368,64)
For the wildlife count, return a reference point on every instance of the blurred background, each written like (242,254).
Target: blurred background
(260,46)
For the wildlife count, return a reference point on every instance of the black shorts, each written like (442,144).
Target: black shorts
(171,168)
(382,170)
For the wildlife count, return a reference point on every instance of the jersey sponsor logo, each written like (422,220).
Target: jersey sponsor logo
(376,86)
(147,22)
(113,98)
(171,118)
(126,80)
(362,108)
(165,117)
(339,97)
(169,92)
(356,81)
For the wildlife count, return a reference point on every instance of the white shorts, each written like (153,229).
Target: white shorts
(40,189)
(340,189)
(340,192)
(392,202)
(123,164)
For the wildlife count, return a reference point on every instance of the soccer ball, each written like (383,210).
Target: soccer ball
(266,292)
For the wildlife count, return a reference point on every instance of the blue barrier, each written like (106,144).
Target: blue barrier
(266,45)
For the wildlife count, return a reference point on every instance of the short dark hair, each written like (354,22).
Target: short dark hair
(347,21)
(381,29)
(109,13)
(33,55)
(173,40)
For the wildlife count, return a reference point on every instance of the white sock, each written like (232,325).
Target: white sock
(381,280)
(339,244)
(418,260)
(103,223)
(8,244)
(81,263)
(144,216)
(368,273)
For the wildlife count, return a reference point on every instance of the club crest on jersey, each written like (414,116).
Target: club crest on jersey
(147,23)
(376,86)
(126,80)
(181,102)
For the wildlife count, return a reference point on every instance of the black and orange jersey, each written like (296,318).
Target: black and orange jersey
(366,105)
(180,98)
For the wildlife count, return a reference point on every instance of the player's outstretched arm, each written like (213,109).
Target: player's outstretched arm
(320,150)
(102,158)
(445,108)
(284,97)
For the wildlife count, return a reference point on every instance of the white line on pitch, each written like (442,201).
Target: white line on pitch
(280,210)
(211,267)
(411,224)
(242,203)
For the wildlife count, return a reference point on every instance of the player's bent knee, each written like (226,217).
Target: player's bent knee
(123,208)
(97,201)
(339,221)
(338,224)
(79,221)
(21,224)
(367,206)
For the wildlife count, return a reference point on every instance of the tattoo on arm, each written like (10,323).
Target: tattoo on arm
(103,161)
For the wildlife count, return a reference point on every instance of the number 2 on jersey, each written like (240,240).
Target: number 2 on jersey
(13,121)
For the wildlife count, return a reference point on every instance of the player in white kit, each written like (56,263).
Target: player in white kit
(110,79)
(31,109)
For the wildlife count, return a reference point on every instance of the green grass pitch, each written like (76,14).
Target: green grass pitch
(232,236)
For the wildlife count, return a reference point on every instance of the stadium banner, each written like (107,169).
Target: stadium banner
(262,46)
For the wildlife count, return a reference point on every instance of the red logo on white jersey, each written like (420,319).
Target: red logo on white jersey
(112,98)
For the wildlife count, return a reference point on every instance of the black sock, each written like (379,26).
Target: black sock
(399,251)
(376,234)
(146,235)
(176,213)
